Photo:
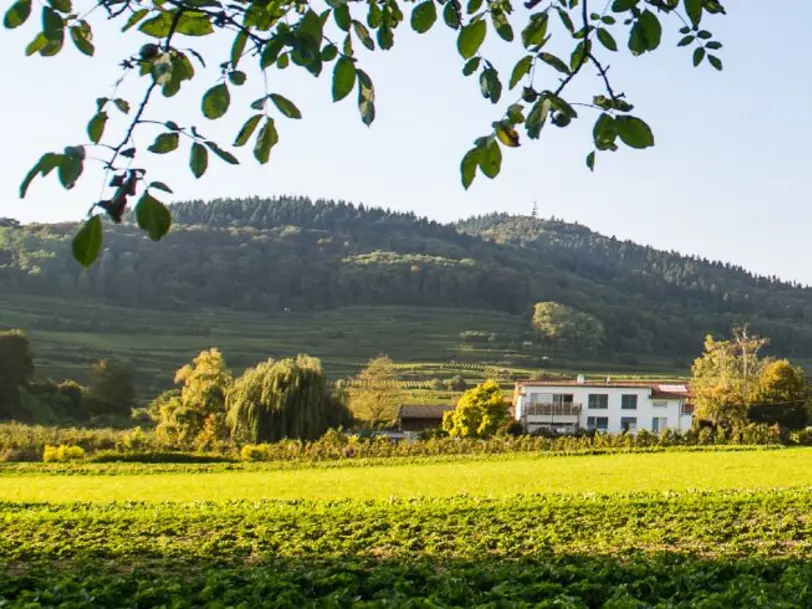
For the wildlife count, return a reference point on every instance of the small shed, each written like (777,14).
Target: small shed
(419,417)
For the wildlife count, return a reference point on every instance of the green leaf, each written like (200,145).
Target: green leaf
(165,142)
(46,163)
(555,62)
(198,160)
(95,128)
(590,161)
(490,85)
(604,132)
(330,52)
(122,104)
(152,216)
(566,20)
(471,38)
(693,8)
(579,55)
(69,170)
(237,78)
(634,132)
(652,30)
(53,26)
(341,14)
(343,78)
(715,62)
(63,6)
(135,18)
(238,48)
(713,45)
(286,107)
(216,101)
(468,167)
(247,130)
(386,39)
(266,140)
(36,45)
(533,34)
(86,245)
(451,16)
(621,6)
(471,66)
(424,16)
(490,160)
(82,37)
(520,70)
(223,154)
(473,6)
(699,55)
(160,186)
(704,35)
(160,25)
(606,39)
(271,52)
(363,35)
(18,14)
(366,98)
(194,23)
(685,41)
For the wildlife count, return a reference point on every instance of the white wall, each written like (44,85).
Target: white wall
(644,413)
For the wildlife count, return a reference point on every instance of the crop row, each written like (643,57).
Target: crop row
(728,524)
(719,550)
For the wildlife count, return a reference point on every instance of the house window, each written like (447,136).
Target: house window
(660,404)
(560,399)
(628,423)
(628,402)
(598,401)
(597,423)
(659,424)
(687,410)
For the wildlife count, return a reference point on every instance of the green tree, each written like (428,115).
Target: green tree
(199,405)
(272,35)
(111,391)
(725,378)
(565,328)
(16,371)
(288,398)
(781,383)
(479,413)
(375,394)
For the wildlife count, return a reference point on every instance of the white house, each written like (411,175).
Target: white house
(566,406)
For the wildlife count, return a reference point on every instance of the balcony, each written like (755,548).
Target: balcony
(552,410)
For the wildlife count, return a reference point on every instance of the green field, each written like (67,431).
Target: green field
(67,336)
(626,531)
(633,472)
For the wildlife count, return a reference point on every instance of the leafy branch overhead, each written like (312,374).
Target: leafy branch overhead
(277,34)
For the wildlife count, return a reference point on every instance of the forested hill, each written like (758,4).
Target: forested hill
(294,253)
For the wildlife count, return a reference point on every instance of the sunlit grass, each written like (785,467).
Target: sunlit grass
(482,477)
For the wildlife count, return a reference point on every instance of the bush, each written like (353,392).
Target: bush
(254,452)
(802,437)
(111,456)
(62,454)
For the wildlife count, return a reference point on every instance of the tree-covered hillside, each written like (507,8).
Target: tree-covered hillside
(293,253)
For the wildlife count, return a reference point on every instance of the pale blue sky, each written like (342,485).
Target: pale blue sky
(728,178)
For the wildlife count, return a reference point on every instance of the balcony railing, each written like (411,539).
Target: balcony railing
(553,410)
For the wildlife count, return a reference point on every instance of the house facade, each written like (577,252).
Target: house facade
(605,406)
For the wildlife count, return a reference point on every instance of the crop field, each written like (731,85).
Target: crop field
(483,477)
(720,530)
(67,336)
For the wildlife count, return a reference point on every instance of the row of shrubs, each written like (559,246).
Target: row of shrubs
(139,446)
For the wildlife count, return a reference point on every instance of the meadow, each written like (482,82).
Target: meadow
(721,530)
(482,477)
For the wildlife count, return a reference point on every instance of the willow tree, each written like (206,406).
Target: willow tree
(288,398)
(556,43)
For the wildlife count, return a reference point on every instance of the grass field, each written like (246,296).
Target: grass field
(69,335)
(492,477)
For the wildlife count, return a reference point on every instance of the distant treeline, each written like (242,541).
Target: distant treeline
(294,253)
